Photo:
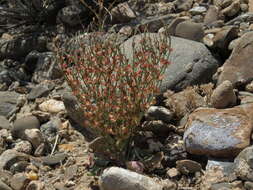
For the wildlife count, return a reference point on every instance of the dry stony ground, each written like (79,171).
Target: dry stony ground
(197,137)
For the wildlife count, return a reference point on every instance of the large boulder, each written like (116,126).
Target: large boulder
(218,132)
(239,67)
(192,62)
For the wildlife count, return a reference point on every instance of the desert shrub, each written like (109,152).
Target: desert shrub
(114,91)
(30,12)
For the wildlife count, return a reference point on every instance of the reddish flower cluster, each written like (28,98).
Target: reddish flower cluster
(115,90)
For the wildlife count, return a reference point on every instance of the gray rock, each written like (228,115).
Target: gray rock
(223,96)
(24,147)
(20,125)
(248,185)
(72,15)
(191,62)
(122,179)
(246,17)
(218,132)
(50,129)
(3,186)
(36,185)
(158,113)
(188,166)
(8,103)
(20,47)
(54,159)
(19,181)
(212,15)
(122,13)
(221,186)
(4,123)
(244,164)
(10,157)
(197,10)
(232,9)
(190,30)
(46,68)
(226,166)
(40,91)
(34,136)
(238,68)
(19,167)
(171,28)
(183,5)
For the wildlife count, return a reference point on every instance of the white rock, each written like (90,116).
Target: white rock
(115,178)
(52,106)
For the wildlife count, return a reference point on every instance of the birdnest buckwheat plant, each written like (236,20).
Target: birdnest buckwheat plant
(113,90)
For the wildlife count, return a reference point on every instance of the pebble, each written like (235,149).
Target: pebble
(52,106)
(188,166)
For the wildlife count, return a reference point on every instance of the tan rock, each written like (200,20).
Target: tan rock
(223,96)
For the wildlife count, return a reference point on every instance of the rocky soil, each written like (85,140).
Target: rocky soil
(197,137)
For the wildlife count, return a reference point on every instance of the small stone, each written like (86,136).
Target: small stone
(50,129)
(188,166)
(32,176)
(10,157)
(223,96)
(248,185)
(122,13)
(34,136)
(172,173)
(36,185)
(226,166)
(232,10)
(69,184)
(198,10)
(24,147)
(159,113)
(19,181)
(20,125)
(135,166)
(249,87)
(40,91)
(190,30)
(19,167)
(119,178)
(4,123)
(54,159)
(3,186)
(212,15)
(244,164)
(52,106)
(244,7)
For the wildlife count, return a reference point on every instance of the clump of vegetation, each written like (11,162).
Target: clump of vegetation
(28,12)
(114,91)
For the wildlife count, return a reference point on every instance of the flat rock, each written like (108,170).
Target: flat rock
(218,132)
(226,166)
(238,68)
(191,62)
(8,102)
